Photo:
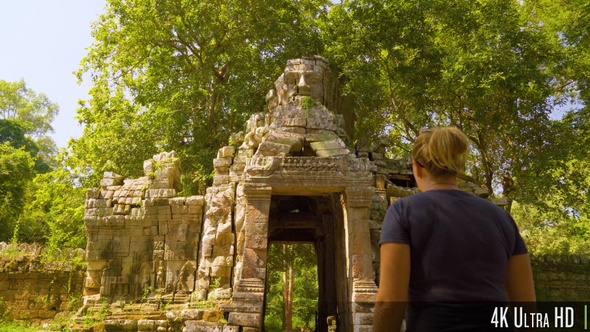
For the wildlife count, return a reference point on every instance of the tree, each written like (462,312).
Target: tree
(484,66)
(292,287)
(54,209)
(25,149)
(16,170)
(182,75)
(25,120)
(35,110)
(13,131)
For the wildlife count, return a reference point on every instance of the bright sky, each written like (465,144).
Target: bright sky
(43,42)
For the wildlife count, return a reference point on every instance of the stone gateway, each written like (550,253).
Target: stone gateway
(291,178)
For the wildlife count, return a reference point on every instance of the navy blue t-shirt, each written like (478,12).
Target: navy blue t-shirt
(460,245)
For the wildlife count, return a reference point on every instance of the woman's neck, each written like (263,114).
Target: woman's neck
(440,184)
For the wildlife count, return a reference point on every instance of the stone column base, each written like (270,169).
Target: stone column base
(247,303)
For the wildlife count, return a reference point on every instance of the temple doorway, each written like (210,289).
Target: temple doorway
(301,230)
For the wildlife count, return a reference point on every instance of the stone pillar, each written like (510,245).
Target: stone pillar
(364,290)
(325,249)
(247,304)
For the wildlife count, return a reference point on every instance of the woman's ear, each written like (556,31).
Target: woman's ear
(417,169)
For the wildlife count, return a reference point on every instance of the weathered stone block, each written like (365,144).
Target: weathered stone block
(92,283)
(295,141)
(294,130)
(294,122)
(256,242)
(255,258)
(268,148)
(163,228)
(133,221)
(332,153)
(220,180)
(115,221)
(196,326)
(120,325)
(321,123)
(146,325)
(176,201)
(231,328)
(222,163)
(107,182)
(195,210)
(245,319)
(328,145)
(195,200)
(93,193)
(179,209)
(164,210)
(226,151)
(363,318)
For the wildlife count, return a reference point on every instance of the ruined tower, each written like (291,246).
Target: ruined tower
(291,177)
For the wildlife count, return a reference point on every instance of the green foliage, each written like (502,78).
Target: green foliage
(16,170)
(35,110)
(54,212)
(96,317)
(25,148)
(11,326)
(182,75)
(548,232)
(302,258)
(482,66)
(307,103)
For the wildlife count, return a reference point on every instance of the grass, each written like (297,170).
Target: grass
(13,326)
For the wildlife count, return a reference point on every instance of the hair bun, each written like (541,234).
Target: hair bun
(442,150)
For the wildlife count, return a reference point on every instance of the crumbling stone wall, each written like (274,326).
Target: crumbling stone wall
(33,290)
(564,278)
(142,239)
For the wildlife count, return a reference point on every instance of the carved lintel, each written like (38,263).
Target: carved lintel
(312,164)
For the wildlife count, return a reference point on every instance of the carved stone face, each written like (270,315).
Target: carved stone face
(300,79)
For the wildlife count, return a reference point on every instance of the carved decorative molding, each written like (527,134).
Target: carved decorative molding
(364,291)
(262,166)
(257,193)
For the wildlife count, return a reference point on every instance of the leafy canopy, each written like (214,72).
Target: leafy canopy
(182,75)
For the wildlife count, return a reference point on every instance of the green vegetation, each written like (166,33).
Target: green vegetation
(185,75)
(307,103)
(12,326)
(292,287)
(511,74)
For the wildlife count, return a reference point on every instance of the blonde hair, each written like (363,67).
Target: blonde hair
(441,151)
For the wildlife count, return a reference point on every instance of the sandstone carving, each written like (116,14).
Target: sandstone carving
(147,244)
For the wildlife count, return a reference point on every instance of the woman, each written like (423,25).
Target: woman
(447,253)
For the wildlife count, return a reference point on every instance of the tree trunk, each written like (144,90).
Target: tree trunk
(288,282)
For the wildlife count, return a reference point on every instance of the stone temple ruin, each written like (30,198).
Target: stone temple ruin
(291,178)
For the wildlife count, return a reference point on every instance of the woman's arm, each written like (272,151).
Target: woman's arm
(520,286)
(394,281)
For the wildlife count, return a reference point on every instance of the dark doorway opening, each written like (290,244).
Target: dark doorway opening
(301,229)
